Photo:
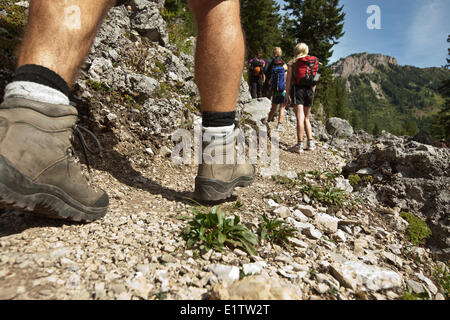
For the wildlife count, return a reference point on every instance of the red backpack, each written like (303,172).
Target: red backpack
(306,70)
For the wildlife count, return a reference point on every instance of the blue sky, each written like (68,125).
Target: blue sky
(413,31)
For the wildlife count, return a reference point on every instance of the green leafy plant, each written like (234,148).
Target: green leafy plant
(417,230)
(275,230)
(312,273)
(212,230)
(333,292)
(161,296)
(161,66)
(285,181)
(354,179)
(317,185)
(327,194)
(238,205)
(415,296)
(442,275)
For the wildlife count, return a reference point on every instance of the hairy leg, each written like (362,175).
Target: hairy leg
(219,58)
(298,110)
(59,34)
(307,112)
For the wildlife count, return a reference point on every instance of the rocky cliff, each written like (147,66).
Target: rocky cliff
(383,95)
(361,63)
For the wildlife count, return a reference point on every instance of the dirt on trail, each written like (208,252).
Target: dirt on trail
(51,259)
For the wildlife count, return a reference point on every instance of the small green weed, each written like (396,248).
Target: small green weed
(442,275)
(333,292)
(161,296)
(417,230)
(212,230)
(317,185)
(354,179)
(274,197)
(98,86)
(312,273)
(161,66)
(415,296)
(238,205)
(275,230)
(285,181)
(327,194)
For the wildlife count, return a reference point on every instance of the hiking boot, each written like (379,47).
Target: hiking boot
(298,148)
(310,146)
(38,169)
(216,181)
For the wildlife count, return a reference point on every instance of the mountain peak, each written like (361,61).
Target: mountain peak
(361,63)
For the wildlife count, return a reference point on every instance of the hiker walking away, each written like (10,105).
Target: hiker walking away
(302,78)
(278,71)
(38,168)
(256,75)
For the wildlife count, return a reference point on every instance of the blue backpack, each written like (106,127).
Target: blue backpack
(278,75)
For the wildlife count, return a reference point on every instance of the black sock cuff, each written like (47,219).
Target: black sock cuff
(41,75)
(218,119)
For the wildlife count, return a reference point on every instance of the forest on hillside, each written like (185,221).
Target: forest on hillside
(415,99)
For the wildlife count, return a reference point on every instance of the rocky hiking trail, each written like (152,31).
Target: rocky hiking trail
(137,252)
(134,90)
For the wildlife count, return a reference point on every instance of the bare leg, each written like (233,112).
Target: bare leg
(281,115)
(59,34)
(219,57)
(307,111)
(272,112)
(298,109)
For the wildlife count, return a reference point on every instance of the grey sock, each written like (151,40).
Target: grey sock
(35,91)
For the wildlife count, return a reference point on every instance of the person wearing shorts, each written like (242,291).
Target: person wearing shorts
(278,96)
(301,98)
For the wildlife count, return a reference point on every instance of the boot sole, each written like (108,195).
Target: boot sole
(17,192)
(215,190)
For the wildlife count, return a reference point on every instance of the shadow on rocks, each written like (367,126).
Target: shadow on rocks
(120,167)
(15,222)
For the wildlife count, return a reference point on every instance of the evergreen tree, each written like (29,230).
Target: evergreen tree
(443,117)
(376,129)
(355,120)
(260,21)
(318,23)
(410,127)
(444,113)
(288,40)
(448,60)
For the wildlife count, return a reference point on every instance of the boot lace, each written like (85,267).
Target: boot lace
(78,132)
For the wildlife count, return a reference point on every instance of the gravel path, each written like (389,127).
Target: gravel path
(136,251)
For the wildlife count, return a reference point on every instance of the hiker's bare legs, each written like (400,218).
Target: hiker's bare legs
(219,58)
(281,113)
(59,34)
(298,110)
(272,112)
(307,112)
(219,61)
(38,173)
